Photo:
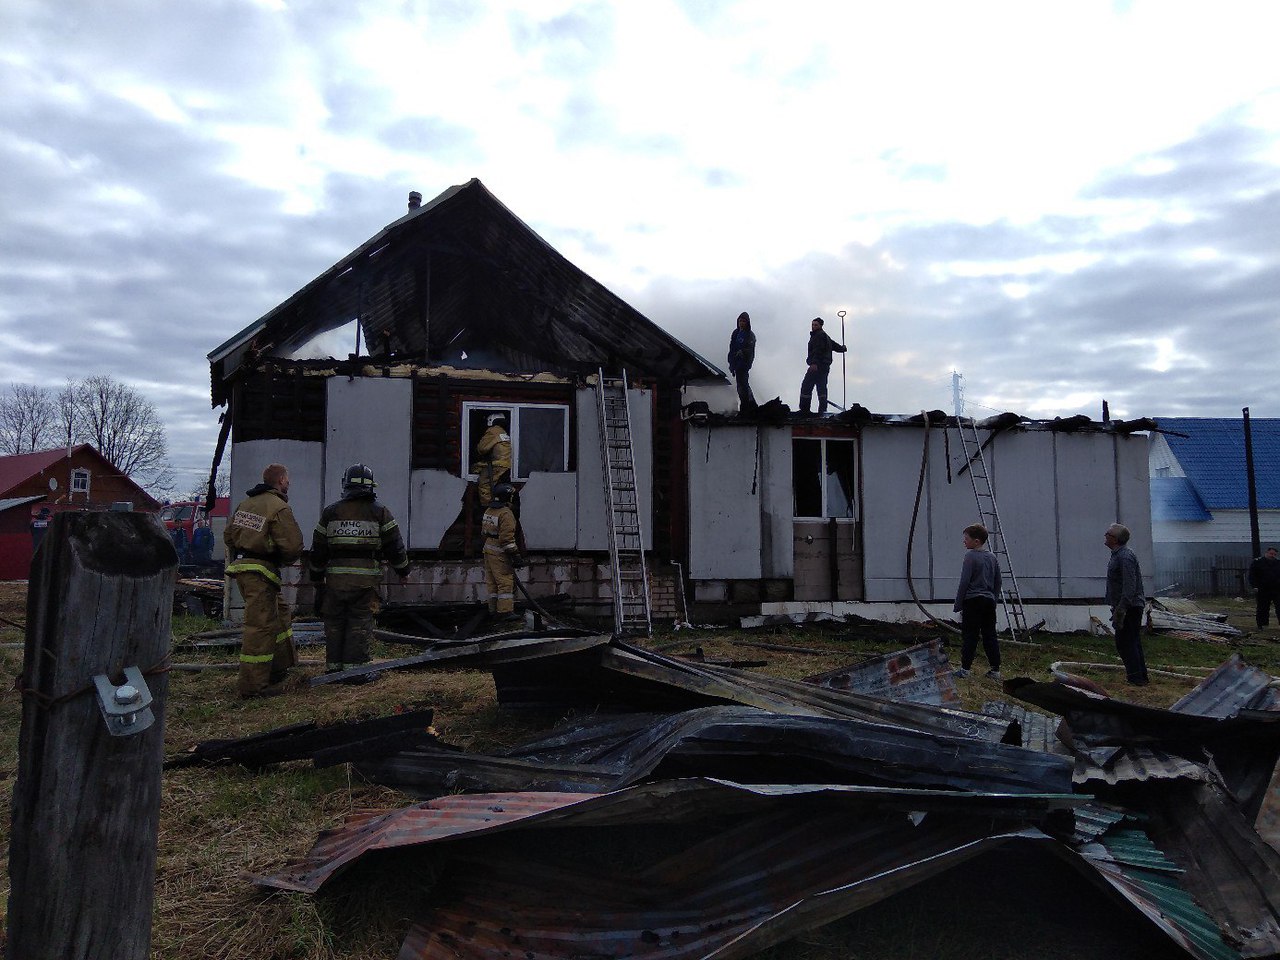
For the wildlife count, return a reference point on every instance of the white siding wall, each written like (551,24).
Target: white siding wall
(369,420)
(435,500)
(1227,526)
(725,513)
(1056,494)
(305,461)
(592,525)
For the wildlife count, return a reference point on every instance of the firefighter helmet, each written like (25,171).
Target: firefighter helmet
(503,492)
(358,480)
(494,418)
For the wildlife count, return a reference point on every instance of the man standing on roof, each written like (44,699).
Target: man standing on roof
(493,457)
(1128,602)
(742,353)
(501,553)
(261,537)
(818,357)
(1264,576)
(352,539)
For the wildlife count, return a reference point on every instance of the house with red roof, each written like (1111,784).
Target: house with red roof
(66,478)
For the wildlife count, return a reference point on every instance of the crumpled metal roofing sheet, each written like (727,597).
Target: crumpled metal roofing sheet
(919,674)
(752,745)
(672,801)
(1233,687)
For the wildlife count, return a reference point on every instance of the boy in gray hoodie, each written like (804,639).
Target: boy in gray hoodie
(976,602)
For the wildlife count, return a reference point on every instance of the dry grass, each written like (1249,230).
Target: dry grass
(219,824)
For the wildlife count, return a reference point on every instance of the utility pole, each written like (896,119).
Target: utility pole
(957,393)
(1253,486)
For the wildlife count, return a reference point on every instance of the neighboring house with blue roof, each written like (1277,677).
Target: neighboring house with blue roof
(1200,495)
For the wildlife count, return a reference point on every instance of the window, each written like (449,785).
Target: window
(539,436)
(822,479)
(80,481)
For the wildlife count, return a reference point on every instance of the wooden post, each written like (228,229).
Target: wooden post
(86,804)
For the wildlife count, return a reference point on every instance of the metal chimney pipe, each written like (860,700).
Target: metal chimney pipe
(415,199)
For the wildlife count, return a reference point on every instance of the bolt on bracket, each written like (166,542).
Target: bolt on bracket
(126,708)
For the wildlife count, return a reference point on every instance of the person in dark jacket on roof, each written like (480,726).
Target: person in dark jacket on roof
(742,353)
(818,358)
(1264,576)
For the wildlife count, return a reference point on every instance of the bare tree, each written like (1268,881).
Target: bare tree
(124,427)
(27,419)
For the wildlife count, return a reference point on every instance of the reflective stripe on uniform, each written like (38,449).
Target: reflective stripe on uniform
(261,658)
(253,566)
(373,572)
(389,525)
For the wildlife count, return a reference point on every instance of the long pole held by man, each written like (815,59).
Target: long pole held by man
(844,375)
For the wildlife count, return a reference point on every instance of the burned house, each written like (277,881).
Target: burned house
(458,310)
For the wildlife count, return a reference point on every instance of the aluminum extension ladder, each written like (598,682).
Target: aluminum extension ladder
(976,464)
(631,614)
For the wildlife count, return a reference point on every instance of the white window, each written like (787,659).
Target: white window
(822,479)
(539,436)
(80,481)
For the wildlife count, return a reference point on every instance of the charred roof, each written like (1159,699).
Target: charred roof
(459,275)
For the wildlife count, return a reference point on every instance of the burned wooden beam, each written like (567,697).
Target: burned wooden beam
(333,743)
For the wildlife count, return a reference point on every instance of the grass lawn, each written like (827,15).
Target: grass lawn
(219,823)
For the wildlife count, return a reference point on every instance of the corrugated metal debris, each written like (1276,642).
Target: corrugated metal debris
(920,674)
(749,809)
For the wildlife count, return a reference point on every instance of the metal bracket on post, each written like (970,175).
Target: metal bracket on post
(126,708)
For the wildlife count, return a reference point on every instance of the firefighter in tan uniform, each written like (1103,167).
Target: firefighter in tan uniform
(353,538)
(501,553)
(261,537)
(493,457)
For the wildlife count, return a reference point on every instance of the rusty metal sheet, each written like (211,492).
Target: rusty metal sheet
(747,889)
(919,674)
(721,802)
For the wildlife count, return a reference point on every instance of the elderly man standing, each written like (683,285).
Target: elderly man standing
(1264,576)
(1128,601)
(261,537)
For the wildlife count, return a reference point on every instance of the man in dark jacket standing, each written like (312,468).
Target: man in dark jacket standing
(1128,601)
(352,539)
(261,537)
(819,360)
(742,353)
(1264,576)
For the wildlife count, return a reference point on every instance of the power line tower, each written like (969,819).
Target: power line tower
(957,393)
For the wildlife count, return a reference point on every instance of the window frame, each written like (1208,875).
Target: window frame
(512,409)
(78,474)
(822,480)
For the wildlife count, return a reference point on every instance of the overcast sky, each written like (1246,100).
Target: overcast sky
(1064,201)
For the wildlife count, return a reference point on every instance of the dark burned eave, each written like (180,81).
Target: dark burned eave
(464,267)
(858,416)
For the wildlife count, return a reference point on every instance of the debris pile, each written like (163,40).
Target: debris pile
(737,810)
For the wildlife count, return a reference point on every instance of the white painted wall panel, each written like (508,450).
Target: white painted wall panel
(890,467)
(777,544)
(435,500)
(1133,505)
(724,512)
(1023,475)
(948,509)
(1086,507)
(305,460)
(593,530)
(549,511)
(369,421)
